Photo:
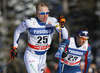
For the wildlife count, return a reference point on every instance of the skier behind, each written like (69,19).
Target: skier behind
(73,49)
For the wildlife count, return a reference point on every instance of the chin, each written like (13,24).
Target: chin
(80,44)
(44,21)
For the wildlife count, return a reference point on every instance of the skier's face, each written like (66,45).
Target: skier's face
(81,40)
(43,13)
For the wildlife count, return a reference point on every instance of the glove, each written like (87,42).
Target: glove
(13,53)
(64,54)
(61,20)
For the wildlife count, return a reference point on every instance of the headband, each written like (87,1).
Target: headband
(83,33)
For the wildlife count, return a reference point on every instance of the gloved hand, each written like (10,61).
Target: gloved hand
(13,53)
(61,20)
(64,54)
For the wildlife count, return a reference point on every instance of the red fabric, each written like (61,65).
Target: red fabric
(85,61)
(66,48)
(68,62)
(38,47)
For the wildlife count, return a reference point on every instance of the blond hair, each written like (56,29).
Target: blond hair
(42,4)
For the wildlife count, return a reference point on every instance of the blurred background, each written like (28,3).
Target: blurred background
(77,13)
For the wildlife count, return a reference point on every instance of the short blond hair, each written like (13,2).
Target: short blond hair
(41,4)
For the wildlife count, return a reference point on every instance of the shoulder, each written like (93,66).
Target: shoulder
(71,38)
(89,47)
(30,20)
(66,40)
(33,19)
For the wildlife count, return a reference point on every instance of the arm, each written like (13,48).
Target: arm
(60,23)
(65,43)
(64,31)
(18,31)
(64,46)
(22,27)
(87,60)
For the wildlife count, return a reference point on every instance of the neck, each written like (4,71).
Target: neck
(77,43)
(40,22)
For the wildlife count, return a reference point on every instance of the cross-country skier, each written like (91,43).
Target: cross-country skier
(73,49)
(40,32)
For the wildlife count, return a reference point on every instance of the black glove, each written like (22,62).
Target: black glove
(13,53)
(64,54)
(61,20)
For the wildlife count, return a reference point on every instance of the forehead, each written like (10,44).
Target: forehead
(43,9)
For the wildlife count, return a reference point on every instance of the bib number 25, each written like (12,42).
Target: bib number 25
(42,39)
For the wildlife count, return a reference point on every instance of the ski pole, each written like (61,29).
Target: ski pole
(6,64)
(63,66)
(60,48)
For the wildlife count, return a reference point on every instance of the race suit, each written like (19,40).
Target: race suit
(73,58)
(39,39)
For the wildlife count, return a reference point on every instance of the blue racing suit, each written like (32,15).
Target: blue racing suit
(73,58)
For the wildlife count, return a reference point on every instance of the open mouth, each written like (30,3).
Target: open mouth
(44,19)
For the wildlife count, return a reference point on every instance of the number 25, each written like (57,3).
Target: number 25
(43,39)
